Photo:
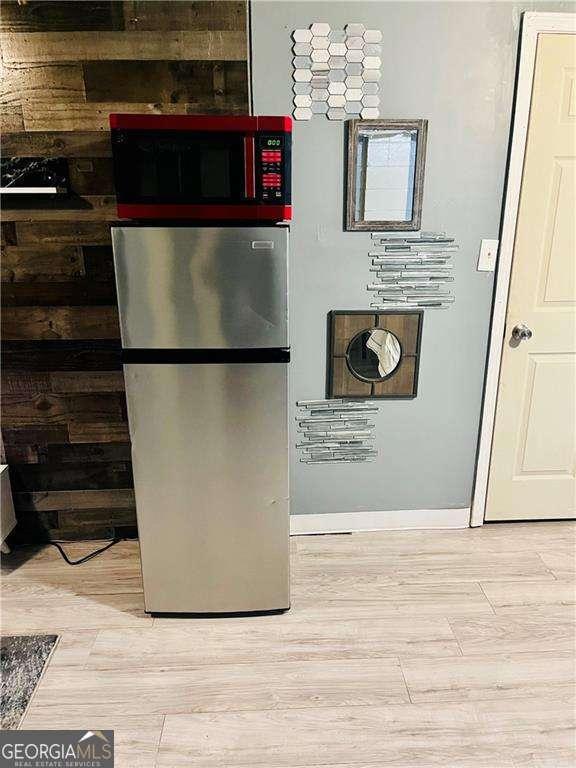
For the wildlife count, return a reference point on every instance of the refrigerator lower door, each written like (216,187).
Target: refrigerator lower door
(210,461)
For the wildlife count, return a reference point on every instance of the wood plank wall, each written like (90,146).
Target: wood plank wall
(65,67)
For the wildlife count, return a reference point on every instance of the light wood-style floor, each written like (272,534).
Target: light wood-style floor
(409,649)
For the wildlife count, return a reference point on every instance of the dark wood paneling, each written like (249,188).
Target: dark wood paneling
(11,118)
(61,356)
(74,453)
(24,323)
(86,381)
(54,48)
(91,176)
(98,262)
(8,229)
(35,435)
(26,83)
(96,116)
(87,208)
(72,477)
(166,14)
(42,501)
(65,16)
(98,432)
(67,65)
(30,444)
(43,408)
(57,144)
(48,263)
(75,523)
(25,383)
(82,293)
(63,232)
(173,82)
(61,382)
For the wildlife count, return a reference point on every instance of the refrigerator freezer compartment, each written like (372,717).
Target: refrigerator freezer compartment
(202,287)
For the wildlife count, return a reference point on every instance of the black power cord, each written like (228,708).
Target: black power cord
(58,545)
(86,557)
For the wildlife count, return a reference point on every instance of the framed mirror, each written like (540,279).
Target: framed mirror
(386,160)
(373,354)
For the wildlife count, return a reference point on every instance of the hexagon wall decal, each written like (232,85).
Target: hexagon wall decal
(336,72)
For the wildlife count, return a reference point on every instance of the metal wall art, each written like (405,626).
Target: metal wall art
(336,72)
(374,354)
(335,431)
(411,272)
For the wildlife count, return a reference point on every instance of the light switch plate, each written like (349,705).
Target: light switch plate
(487,255)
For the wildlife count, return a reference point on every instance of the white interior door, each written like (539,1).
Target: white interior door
(532,469)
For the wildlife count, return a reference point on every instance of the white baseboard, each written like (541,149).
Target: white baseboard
(348,522)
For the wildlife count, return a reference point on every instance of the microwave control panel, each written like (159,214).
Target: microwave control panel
(273,162)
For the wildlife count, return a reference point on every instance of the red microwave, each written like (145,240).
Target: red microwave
(202,167)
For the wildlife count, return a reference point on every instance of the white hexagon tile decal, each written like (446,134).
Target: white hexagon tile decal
(336,72)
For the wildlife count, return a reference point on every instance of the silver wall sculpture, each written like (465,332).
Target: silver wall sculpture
(411,272)
(336,72)
(335,431)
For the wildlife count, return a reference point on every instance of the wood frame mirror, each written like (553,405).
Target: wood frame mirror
(386,160)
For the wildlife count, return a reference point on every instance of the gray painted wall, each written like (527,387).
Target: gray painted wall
(453,64)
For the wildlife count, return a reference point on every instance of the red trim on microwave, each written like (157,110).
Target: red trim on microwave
(224,212)
(276,124)
(249,180)
(200,123)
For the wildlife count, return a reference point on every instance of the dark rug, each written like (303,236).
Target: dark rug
(22,660)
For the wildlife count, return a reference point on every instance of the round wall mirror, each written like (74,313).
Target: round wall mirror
(373,354)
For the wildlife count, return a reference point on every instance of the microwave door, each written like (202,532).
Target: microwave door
(172,167)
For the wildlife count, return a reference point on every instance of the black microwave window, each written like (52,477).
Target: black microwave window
(215,172)
(174,168)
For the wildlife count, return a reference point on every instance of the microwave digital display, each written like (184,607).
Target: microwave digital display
(201,167)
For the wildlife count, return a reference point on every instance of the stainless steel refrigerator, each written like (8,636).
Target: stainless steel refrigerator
(204,325)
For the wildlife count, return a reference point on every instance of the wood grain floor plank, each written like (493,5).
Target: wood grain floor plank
(73,649)
(224,687)
(359,596)
(60,582)
(136,739)
(35,614)
(489,676)
(411,736)
(506,634)
(178,643)
(561,562)
(430,568)
(506,594)
(528,537)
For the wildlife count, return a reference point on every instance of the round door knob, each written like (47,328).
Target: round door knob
(521,332)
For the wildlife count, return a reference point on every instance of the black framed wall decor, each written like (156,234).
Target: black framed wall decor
(374,354)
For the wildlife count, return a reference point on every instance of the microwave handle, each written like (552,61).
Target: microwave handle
(249,168)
